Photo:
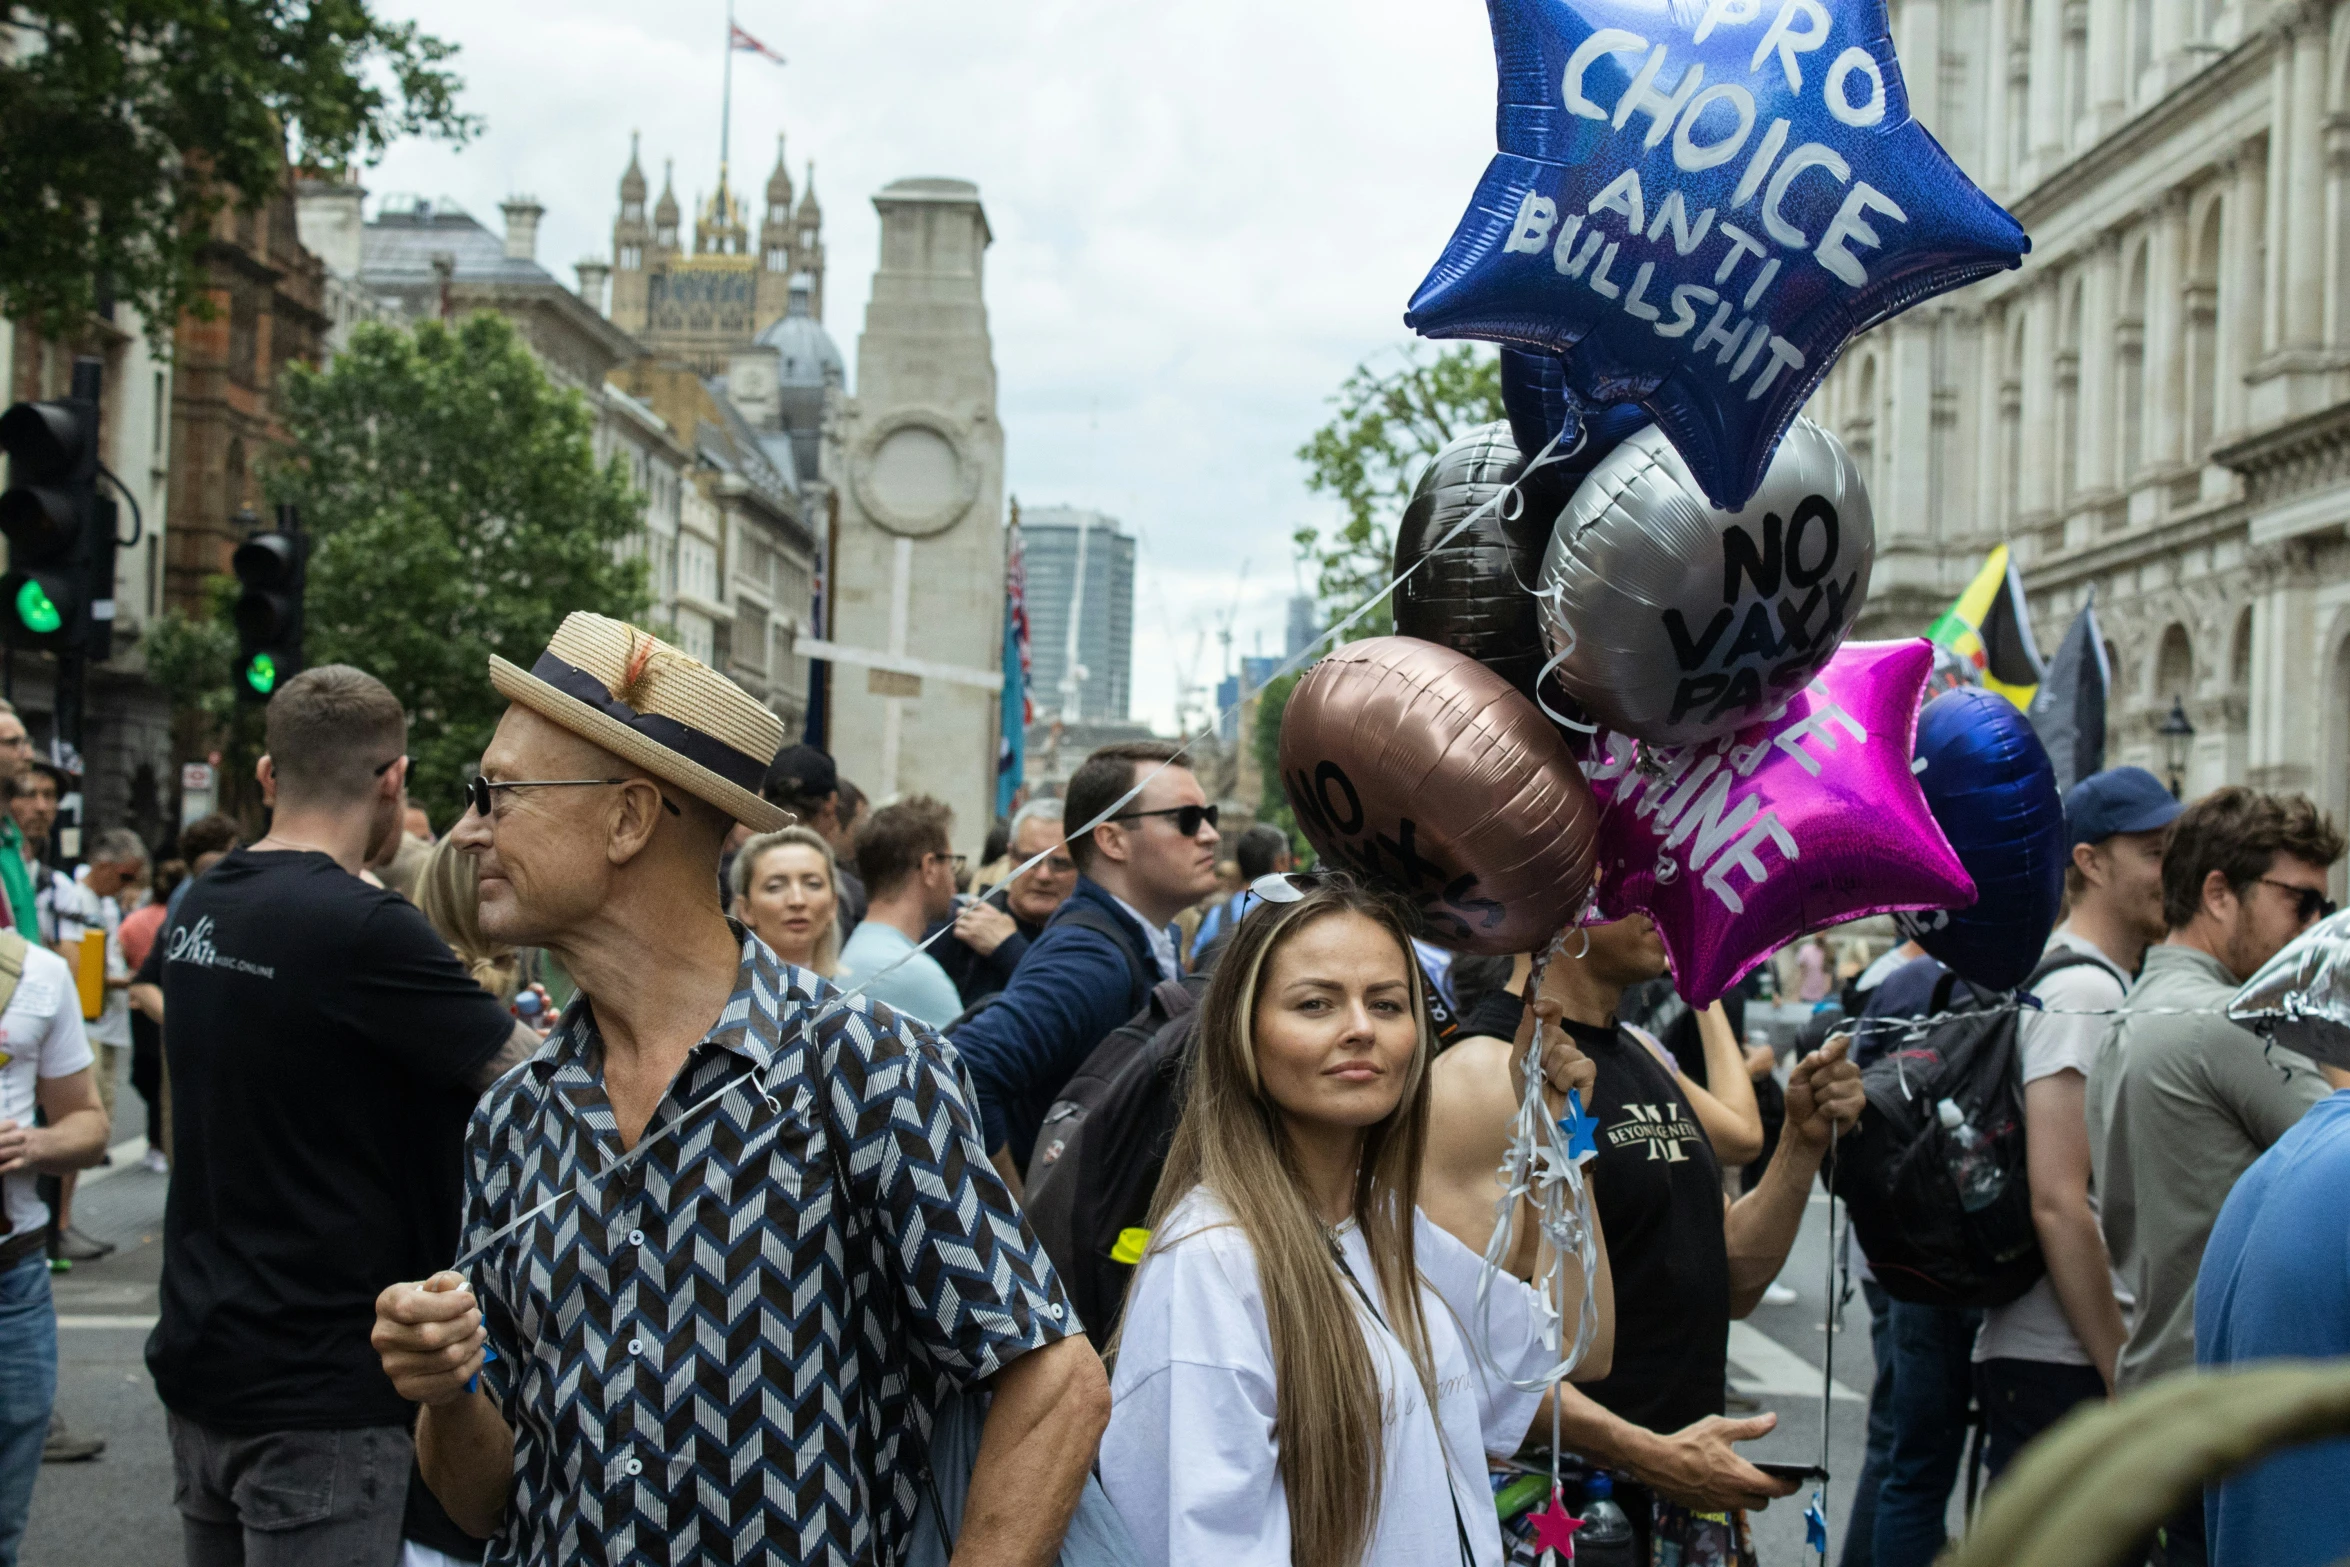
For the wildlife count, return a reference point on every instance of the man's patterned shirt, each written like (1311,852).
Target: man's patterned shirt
(733,1350)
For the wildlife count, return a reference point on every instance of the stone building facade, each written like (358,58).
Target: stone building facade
(2156,408)
(697,306)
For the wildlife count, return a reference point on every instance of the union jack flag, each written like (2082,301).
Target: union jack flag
(736,38)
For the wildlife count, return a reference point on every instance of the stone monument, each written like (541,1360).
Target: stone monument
(917,460)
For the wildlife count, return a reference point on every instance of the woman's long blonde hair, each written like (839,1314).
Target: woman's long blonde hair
(825,957)
(1232,1139)
(448,892)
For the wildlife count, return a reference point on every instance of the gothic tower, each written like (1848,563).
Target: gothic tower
(771,290)
(631,236)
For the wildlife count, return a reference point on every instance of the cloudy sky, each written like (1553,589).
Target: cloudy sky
(1205,214)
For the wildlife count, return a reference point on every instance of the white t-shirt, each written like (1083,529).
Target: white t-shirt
(79,911)
(40,1036)
(2034,1326)
(1189,1458)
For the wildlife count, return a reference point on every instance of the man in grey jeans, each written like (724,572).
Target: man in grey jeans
(326,1050)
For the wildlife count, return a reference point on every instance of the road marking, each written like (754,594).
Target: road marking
(126,1156)
(141,1323)
(1773,1369)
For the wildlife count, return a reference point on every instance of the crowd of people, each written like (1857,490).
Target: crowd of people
(638,1169)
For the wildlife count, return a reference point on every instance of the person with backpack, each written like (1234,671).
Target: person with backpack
(1306,1376)
(2054,1348)
(1105,947)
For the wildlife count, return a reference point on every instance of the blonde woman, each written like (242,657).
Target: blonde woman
(1300,1379)
(787,890)
(448,894)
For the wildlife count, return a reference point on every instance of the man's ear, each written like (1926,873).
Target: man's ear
(265,774)
(636,816)
(1109,842)
(2219,899)
(2085,861)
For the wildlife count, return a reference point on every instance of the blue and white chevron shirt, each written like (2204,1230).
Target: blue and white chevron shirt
(733,1351)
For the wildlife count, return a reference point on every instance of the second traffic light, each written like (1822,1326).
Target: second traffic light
(51,515)
(273,567)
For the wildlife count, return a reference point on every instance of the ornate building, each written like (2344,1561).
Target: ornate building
(2156,408)
(697,307)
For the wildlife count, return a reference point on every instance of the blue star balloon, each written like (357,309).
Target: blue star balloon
(1815,1527)
(1535,396)
(1700,202)
(1992,790)
(1582,1129)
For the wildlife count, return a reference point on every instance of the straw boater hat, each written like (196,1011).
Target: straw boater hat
(664,710)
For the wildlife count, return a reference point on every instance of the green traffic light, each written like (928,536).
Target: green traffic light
(35,608)
(261,674)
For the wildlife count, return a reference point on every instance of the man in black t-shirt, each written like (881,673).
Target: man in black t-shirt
(1684,1262)
(326,1050)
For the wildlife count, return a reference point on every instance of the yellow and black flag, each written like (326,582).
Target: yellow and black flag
(1988,633)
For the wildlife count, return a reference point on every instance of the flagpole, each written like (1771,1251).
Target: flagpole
(726,102)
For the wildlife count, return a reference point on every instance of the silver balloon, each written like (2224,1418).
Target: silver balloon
(1676,623)
(2302,995)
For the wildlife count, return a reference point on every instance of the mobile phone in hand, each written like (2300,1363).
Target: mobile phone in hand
(1796,1472)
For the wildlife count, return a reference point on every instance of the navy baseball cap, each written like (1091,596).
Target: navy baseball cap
(2120,799)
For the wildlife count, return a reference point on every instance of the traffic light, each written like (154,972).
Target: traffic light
(52,517)
(272,565)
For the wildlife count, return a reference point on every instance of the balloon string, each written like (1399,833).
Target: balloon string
(1540,1175)
(827,1007)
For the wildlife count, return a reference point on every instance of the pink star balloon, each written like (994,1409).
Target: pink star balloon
(1554,1528)
(1804,820)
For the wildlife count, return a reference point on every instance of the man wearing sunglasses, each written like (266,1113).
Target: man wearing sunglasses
(1109,943)
(2180,1100)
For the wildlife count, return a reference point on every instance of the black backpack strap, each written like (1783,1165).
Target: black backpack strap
(2054,962)
(1142,970)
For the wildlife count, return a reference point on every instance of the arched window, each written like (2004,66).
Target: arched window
(2174,666)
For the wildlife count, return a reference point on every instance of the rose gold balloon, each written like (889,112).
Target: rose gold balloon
(1418,768)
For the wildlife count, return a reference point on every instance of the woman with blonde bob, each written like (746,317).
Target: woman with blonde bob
(787,890)
(1302,1376)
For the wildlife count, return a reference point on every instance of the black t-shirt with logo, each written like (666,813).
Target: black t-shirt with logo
(1659,1193)
(322,1042)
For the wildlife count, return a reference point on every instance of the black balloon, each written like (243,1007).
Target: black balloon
(1475,594)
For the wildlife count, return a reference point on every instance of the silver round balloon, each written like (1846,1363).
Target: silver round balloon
(2302,995)
(1676,623)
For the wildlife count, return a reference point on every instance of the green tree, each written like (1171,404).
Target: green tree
(1389,425)
(1265,746)
(127,125)
(456,509)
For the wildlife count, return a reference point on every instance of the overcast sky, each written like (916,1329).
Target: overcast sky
(1204,215)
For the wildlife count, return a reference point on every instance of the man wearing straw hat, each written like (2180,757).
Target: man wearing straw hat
(733,1239)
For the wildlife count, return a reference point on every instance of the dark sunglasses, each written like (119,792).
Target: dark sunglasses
(2312,904)
(478,792)
(1187,817)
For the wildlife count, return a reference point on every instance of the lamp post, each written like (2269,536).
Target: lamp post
(2177,734)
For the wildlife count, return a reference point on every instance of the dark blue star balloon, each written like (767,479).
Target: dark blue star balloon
(1699,202)
(1582,1129)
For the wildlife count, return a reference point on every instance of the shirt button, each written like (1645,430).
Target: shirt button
(635,1466)
(1057,1311)
(636,1346)
(636,1237)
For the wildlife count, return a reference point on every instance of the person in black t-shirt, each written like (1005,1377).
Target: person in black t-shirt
(326,1050)
(1684,1262)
